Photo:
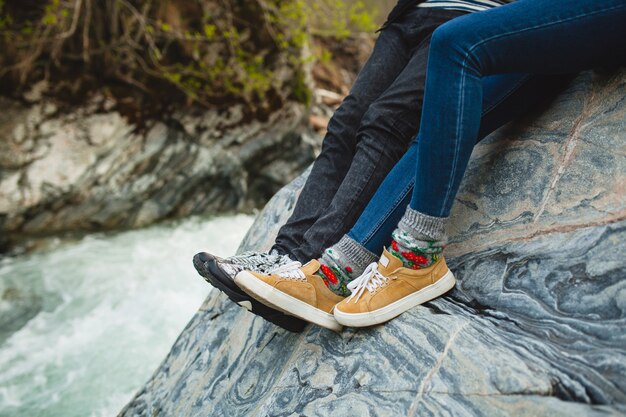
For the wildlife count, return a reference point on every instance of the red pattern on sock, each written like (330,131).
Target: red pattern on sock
(329,274)
(415,258)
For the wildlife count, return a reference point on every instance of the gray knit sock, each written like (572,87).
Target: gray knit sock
(343,262)
(419,239)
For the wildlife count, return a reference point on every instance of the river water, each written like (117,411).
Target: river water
(84,325)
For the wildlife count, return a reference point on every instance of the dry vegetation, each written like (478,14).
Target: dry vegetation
(150,56)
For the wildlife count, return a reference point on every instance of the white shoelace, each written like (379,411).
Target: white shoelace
(370,279)
(290,270)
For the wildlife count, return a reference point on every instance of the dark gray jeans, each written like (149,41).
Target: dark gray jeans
(366,136)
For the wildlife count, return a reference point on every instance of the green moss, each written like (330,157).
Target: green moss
(209,31)
(340,18)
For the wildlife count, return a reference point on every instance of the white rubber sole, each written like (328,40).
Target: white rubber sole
(443,285)
(272,297)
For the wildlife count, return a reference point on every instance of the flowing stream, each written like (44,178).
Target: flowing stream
(84,325)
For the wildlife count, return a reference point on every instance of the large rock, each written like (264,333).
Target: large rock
(535,327)
(91,169)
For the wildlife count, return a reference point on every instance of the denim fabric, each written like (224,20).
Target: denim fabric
(366,136)
(505,97)
(530,36)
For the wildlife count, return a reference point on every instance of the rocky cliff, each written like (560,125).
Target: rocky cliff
(90,169)
(535,326)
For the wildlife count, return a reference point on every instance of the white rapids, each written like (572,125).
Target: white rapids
(84,325)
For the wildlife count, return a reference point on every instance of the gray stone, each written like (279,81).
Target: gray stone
(535,326)
(85,171)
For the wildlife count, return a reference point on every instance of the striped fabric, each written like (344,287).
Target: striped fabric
(464,5)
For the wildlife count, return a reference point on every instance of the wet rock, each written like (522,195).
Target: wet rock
(534,327)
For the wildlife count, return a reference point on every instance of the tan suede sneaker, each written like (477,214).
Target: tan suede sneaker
(387,289)
(296,290)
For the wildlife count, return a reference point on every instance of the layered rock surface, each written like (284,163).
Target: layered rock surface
(91,170)
(535,326)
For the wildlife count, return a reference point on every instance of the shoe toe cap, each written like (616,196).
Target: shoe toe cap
(348,306)
(201,262)
(203,257)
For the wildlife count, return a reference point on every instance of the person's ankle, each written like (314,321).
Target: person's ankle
(414,258)
(419,239)
(415,253)
(343,262)
(335,279)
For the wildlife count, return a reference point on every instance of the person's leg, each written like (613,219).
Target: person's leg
(387,60)
(535,36)
(539,36)
(505,98)
(385,134)
(352,164)
(529,35)
(393,50)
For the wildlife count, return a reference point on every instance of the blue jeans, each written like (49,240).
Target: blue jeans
(505,98)
(529,36)
(366,136)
